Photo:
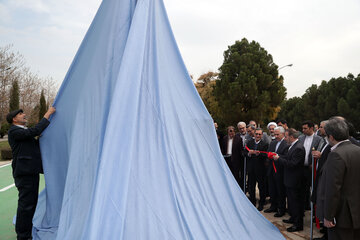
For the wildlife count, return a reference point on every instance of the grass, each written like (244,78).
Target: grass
(4,145)
(8,203)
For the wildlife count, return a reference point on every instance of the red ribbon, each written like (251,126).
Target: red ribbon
(270,155)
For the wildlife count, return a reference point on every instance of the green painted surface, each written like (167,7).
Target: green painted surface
(8,203)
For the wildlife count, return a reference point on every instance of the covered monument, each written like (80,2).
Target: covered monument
(131,152)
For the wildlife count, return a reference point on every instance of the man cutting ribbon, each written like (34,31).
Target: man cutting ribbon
(275,174)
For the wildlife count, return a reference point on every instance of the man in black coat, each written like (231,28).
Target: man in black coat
(341,183)
(227,146)
(321,157)
(256,167)
(237,159)
(26,165)
(293,164)
(276,179)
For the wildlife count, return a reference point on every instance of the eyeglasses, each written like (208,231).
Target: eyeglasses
(258,133)
(231,130)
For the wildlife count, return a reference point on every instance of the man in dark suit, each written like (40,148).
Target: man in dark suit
(293,164)
(227,146)
(341,183)
(256,167)
(26,165)
(276,179)
(316,196)
(237,156)
(310,141)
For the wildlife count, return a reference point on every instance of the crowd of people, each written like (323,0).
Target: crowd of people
(285,163)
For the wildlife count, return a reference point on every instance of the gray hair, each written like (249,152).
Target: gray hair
(280,128)
(293,132)
(325,122)
(337,128)
(251,126)
(241,123)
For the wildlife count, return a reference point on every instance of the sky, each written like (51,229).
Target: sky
(320,38)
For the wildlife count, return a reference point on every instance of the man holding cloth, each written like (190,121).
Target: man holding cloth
(26,165)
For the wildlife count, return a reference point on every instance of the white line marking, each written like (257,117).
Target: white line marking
(8,187)
(5,165)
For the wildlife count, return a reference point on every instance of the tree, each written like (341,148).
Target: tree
(205,87)
(338,96)
(12,67)
(42,105)
(249,86)
(14,97)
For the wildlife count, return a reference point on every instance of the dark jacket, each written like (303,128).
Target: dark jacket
(25,149)
(281,151)
(342,186)
(237,155)
(293,164)
(257,162)
(317,143)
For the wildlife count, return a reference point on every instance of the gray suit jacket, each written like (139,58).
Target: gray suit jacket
(317,143)
(342,186)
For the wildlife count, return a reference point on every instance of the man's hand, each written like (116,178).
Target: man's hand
(49,112)
(257,152)
(328,224)
(316,154)
(276,157)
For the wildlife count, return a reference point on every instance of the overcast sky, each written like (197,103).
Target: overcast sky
(321,38)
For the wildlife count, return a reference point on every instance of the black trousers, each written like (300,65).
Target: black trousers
(256,173)
(277,191)
(238,172)
(337,233)
(307,186)
(296,205)
(28,187)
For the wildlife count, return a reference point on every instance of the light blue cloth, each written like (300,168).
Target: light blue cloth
(131,152)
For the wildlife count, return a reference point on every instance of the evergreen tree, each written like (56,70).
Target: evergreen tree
(42,108)
(14,96)
(249,86)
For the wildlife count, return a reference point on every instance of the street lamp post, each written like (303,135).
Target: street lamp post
(289,65)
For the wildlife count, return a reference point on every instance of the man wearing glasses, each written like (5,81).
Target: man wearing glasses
(256,167)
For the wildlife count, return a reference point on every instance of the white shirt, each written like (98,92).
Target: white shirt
(21,126)
(336,145)
(243,139)
(229,146)
(307,145)
(278,144)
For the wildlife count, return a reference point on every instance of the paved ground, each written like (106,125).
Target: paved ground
(5,138)
(305,234)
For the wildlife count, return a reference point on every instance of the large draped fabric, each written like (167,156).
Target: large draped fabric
(131,152)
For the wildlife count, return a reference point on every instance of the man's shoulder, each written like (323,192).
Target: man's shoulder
(13,128)
(347,147)
(317,138)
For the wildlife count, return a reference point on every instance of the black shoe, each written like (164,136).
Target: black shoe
(260,208)
(320,238)
(279,214)
(288,220)
(294,229)
(270,210)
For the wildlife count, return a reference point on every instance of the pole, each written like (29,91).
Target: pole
(245,173)
(312,189)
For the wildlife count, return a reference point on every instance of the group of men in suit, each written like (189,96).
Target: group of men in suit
(287,172)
